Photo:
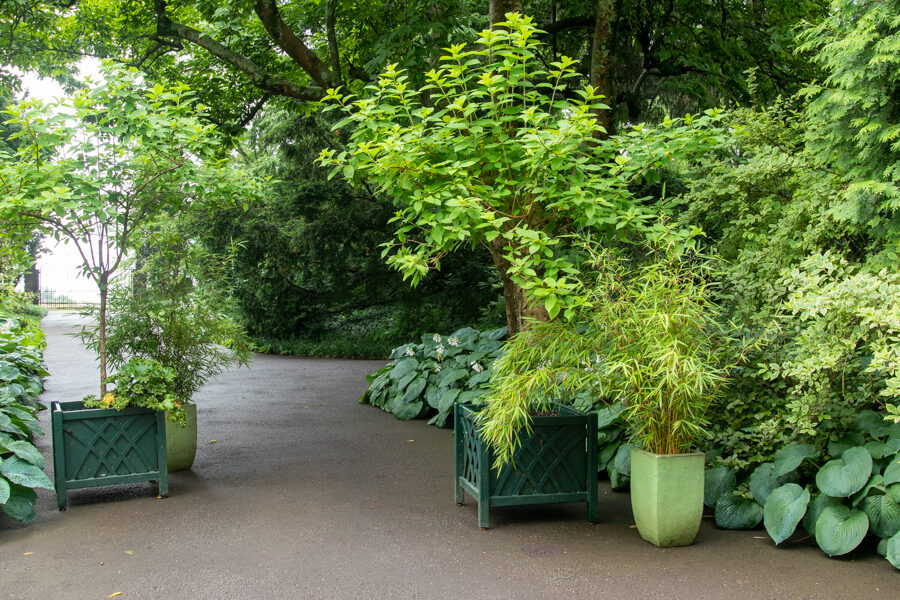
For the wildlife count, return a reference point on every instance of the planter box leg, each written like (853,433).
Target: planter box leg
(484,514)
(59,461)
(592,460)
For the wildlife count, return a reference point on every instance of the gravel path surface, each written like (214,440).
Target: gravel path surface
(307,494)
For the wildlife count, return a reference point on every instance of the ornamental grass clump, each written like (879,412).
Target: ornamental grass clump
(648,338)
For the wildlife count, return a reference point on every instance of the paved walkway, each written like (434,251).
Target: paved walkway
(307,494)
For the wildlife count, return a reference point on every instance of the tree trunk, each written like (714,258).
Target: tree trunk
(498,8)
(103,284)
(603,61)
(520,312)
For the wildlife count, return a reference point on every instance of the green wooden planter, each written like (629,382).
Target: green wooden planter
(103,446)
(556,463)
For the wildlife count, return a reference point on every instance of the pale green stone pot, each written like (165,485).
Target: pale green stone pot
(667,496)
(181,442)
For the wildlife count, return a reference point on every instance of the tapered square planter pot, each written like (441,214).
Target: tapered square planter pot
(556,463)
(103,446)
(667,496)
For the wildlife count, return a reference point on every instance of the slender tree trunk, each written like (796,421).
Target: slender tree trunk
(520,312)
(101,347)
(497,9)
(603,60)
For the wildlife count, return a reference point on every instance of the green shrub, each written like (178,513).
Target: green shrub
(427,378)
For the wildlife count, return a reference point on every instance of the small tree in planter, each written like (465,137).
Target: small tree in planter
(650,340)
(96,168)
(173,313)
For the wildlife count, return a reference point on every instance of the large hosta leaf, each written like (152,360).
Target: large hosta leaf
(619,468)
(815,510)
(733,511)
(783,510)
(20,505)
(404,367)
(763,480)
(839,529)
(883,513)
(414,389)
(24,450)
(875,485)
(892,471)
(407,410)
(789,458)
(717,481)
(892,550)
(4,490)
(846,475)
(24,473)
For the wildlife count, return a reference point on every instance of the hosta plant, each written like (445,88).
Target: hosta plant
(21,464)
(839,501)
(427,378)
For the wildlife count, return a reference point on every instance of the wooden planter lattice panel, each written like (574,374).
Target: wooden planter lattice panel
(93,447)
(556,463)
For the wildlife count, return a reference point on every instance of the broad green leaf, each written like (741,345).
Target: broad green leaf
(716,482)
(24,450)
(783,510)
(4,490)
(839,529)
(789,458)
(875,485)
(733,511)
(815,510)
(9,373)
(892,471)
(892,550)
(842,477)
(619,468)
(405,381)
(408,410)
(404,367)
(883,513)
(415,387)
(763,481)
(447,399)
(20,505)
(449,376)
(24,473)
(605,455)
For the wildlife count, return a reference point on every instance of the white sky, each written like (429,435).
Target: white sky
(59,267)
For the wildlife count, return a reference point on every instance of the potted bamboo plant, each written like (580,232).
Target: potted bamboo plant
(650,339)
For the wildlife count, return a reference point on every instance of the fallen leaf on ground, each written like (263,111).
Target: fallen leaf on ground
(213,441)
(129,552)
(28,554)
(114,595)
(408,441)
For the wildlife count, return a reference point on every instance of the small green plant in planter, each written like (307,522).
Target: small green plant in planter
(649,339)
(141,382)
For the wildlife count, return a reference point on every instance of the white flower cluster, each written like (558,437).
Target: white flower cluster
(410,352)
(453,340)
(437,368)
(440,351)
(476,367)
(436,338)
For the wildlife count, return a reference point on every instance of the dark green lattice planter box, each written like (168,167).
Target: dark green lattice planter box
(103,446)
(556,463)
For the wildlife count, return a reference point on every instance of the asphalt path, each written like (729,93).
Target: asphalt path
(299,491)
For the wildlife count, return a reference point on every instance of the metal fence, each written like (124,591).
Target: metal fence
(64,300)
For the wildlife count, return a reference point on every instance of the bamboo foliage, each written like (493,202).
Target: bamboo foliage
(649,338)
